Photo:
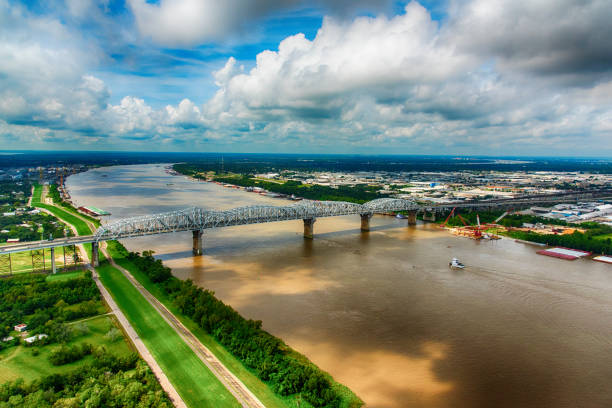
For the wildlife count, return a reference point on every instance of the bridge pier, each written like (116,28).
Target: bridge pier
(365,222)
(309,227)
(412,217)
(53,270)
(197,242)
(95,254)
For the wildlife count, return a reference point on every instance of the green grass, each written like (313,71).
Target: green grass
(66,214)
(248,377)
(192,379)
(20,362)
(21,262)
(80,225)
(603,237)
(65,276)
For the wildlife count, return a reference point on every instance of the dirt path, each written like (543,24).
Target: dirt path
(244,396)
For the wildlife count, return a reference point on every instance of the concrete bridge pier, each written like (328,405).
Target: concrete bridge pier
(53,270)
(309,228)
(95,254)
(412,217)
(197,242)
(365,222)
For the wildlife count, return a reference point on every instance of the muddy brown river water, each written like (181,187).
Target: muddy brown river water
(381,311)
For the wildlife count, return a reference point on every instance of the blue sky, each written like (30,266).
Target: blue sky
(328,76)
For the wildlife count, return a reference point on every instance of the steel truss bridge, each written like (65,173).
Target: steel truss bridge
(198,219)
(193,219)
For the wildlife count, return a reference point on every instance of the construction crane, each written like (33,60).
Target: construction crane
(452,213)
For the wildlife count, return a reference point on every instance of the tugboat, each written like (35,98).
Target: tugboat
(455,264)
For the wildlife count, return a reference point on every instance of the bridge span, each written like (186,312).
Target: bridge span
(198,219)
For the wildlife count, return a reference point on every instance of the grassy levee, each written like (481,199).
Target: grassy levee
(65,214)
(262,390)
(80,225)
(192,379)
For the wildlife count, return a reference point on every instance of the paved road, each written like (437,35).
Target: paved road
(244,396)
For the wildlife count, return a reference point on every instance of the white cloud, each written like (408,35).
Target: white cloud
(192,22)
(186,114)
(368,54)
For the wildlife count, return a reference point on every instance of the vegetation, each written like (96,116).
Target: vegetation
(67,354)
(284,370)
(45,305)
(80,225)
(577,240)
(189,375)
(55,196)
(14,194)
(67,214)
(52,308)
(31,227)
(109,381)
(357,194)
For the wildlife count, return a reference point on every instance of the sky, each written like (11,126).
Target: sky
(465,77)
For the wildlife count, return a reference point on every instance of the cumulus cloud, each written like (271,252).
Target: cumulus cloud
(192,22)
(374,54)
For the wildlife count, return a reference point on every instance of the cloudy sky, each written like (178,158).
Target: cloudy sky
(495,77)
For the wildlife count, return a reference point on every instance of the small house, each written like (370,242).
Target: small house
(21,327)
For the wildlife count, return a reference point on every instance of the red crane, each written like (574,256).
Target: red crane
(452,213)
(447,218)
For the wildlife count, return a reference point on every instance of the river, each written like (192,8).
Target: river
(381,311)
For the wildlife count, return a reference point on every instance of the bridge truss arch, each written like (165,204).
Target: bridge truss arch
(195,218)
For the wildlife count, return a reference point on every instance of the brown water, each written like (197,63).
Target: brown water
(381,311)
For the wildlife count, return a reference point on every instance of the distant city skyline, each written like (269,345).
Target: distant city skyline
(475,77)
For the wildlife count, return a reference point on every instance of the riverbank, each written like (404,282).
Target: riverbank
(358,194)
